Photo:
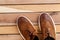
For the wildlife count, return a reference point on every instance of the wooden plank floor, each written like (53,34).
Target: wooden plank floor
(13,29)
(11,33)
(8,24)
(8,21)
(36,8)
(28,1)
(12,17)
(18,37)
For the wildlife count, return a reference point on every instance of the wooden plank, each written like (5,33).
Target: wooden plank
(58,37)
(7,9)
(36,8)
(10,37)
(12,29)
(12,17)
(8,30)
(7,18)
(18,37)
(57,28)
(28,1)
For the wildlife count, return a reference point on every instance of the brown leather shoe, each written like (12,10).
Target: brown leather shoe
(47,27)
(26,29)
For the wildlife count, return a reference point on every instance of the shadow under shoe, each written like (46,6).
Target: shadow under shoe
(49,38)
(36,38)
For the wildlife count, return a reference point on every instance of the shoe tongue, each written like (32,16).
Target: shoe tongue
(36,38)
(49,38)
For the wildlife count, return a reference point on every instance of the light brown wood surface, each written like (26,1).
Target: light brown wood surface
(13,29)
(36,8)
(10,32)
(18,37)
(8,25)
(28,1)
(12,17)
(8,21)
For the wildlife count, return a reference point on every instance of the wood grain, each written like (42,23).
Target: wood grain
(12,29)
(28,1)
(18,37)
(12,17)
(36,8)
(10,37)
(7,18)
(14,34)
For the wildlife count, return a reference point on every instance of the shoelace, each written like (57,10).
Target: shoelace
(30,34)
(33,37)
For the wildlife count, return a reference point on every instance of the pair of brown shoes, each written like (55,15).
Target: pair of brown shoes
(27,31)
